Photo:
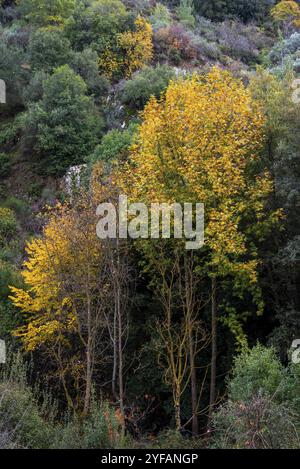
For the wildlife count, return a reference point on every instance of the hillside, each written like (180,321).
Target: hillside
(137,341)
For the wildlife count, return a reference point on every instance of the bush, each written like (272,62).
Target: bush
(145,83)
(98,25)
(240,41)
(161,17)
(45,13)
(85,64)
(101,429)
(185,13)
(257,371)
(48,50)
(5,165)
(21,422)
(287,47)
(113,147)
(172,439)
(8,224)
(258,423)
(34,91)
(246,10)
(20,207)
(9,133)
(174,44)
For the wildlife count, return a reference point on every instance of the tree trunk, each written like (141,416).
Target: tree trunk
(193,384)
(115,348)
(213,373)
(177,416)
(120,353)
(88,385)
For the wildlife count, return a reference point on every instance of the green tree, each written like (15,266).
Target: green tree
(185,13)
(282,251)
(50,12)
(114,147)
(97,25)
(48,49)
(63,127)
(150,81)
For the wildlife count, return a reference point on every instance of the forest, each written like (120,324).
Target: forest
(137,342)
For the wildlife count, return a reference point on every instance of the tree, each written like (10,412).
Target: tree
(52,12)
(281,155)
(182,335)
(287,13)
(247,10)
(85,64)
(97,25)
(145,83)
(161,16)
(201,144)
(63,127)
(114,147)
(64,296)
(48,49)
(185,12)
(75,298)
(134,49)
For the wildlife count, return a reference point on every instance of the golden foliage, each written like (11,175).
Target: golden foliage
(287,12)
(64,254)
(135,49)
(137,46)
(200,143)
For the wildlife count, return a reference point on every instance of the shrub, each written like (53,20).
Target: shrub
(34,90)
(258,423)
(101,429)
(113,147)
(161,17)
(5,165)
(21,422)
(8,224)
(20,207)
(174,43)
(12,72)
(85,64)
(240,41)
(149,81)
(9,133)
(172,439)
(256,371)
(284,48)
(98,25)
(44,13)
(48,49)
(246,10)
(185,13)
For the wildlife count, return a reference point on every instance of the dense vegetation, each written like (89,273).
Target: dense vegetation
(143,343)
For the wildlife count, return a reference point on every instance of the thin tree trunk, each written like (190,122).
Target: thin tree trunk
(177,415)
(120,353)
(115,347)
(88,386)
(193,385)
(213,372)
(120,341)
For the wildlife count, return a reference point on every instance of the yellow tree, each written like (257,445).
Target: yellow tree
(65,291)
(201,143)
(134,50)
(137,46)
(287,13)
